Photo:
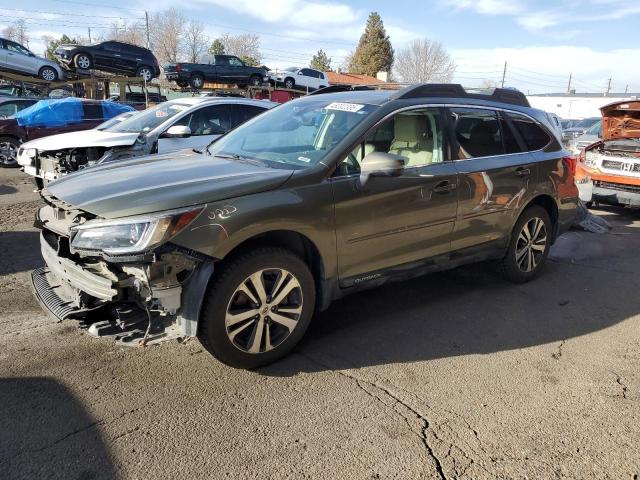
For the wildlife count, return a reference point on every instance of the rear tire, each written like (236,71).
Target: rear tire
(529,245)
(8,152)
(145,72)
(257,307)
(196,81)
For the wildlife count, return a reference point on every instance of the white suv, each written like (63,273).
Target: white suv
(302,78)
(14,57)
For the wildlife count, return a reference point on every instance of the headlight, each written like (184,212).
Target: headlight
(134,234)
(25,155)
(590,160)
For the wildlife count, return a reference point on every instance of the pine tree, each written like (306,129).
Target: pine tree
(321,61)
(217,47)
(374,52)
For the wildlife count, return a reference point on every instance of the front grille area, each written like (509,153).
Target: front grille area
(617,186)
(623,166)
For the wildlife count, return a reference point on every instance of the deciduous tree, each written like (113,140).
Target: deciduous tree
(424,61)
(195,41)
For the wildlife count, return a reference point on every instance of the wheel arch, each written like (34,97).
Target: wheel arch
(291,240)
(551,207)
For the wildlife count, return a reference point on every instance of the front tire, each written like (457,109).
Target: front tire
(257,308)
(82,61)
(289,83)
(8,152)
(255,81)
(529,245)
(48,74)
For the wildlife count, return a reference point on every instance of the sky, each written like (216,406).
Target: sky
(542,41)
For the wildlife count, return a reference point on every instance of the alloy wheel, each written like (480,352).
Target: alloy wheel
(531,244)
(197,82)
(145,73)
(84,62)
(48,74)
(8,152)
(264,310)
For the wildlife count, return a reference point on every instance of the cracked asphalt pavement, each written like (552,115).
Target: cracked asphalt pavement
(453,375)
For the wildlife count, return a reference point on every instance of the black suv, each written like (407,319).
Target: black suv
(315,199)
(111,56)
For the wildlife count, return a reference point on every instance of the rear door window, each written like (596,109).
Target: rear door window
(477,132)
(533,135)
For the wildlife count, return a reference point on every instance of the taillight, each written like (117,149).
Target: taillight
(178,67)
(570,163)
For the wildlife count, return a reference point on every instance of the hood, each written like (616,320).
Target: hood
(82,139)
(162,182)
(621,120)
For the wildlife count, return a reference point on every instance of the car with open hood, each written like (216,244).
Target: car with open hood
(609,170)
(318,198)
(167,127)
(49,117)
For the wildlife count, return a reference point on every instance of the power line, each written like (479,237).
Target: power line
(99,6)
(62,14)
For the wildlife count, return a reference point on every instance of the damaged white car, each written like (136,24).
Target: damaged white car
(170,126)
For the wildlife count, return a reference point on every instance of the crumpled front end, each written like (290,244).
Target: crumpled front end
(609,172)
(132,297)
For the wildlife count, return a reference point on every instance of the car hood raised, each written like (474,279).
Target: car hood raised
(621,120)
(82,139)
(162,182)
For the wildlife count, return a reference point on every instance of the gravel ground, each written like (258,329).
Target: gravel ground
(454,375)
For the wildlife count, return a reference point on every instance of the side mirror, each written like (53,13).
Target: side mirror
(381,164)
(177,131)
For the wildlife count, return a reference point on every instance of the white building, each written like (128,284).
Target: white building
(576,106)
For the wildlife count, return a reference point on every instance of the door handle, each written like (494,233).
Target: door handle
(116,55)
(523,172)
(445,187)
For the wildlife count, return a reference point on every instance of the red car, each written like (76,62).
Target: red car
(48,117)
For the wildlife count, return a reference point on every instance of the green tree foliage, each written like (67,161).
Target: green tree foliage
(217,47)
(321,61)
(374,52)
(53,44)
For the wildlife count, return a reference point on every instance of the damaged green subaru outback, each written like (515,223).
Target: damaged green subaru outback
(323,196)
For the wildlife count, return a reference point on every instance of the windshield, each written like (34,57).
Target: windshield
(595,129)
(586,123)
(148,119)
(294,135)
(115,120)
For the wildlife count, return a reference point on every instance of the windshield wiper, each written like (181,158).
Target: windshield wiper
(235,156)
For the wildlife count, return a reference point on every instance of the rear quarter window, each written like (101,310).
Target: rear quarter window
(533,135)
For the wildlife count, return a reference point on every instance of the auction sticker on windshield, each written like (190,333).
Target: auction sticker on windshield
(345,107)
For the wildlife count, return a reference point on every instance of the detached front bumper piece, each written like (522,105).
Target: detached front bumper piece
(48,297)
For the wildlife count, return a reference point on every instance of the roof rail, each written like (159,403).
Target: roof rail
(340,88)
(454,90)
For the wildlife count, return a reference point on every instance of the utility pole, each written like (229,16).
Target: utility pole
(89,30)
(608,88)
(504,73)
(146,19)
(569,86)
(626,89)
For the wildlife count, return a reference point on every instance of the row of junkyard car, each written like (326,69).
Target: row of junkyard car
(133,60)
(241,241)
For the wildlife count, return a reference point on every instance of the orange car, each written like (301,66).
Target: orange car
(609,170)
